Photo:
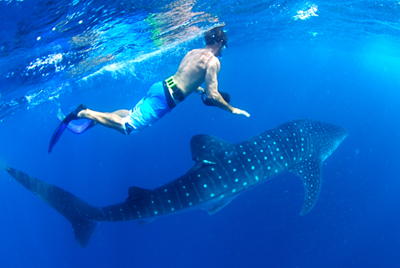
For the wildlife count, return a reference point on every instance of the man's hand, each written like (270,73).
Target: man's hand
(238,111)
(200,90)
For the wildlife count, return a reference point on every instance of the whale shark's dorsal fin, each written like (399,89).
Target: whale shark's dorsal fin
(209,149)
(137,193)
(309,170)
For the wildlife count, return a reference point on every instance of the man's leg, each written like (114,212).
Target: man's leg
(121,113)
(110,120)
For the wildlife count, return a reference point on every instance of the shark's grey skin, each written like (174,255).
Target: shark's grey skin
(222,171)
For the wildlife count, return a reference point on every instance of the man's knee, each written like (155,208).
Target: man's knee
(127,128)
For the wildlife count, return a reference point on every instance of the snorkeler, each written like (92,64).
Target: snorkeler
(198,66)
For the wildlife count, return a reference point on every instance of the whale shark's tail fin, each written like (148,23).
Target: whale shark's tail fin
(68,205)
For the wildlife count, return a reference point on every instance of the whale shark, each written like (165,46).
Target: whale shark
(222,171)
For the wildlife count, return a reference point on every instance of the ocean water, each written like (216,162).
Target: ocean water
(334,61)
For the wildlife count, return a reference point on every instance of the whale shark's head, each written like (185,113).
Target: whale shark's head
(324,137)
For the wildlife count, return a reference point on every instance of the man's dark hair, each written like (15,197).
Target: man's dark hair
(215,35)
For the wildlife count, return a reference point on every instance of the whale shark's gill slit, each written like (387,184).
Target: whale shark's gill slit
(211,179)
(146,210)
(161,201)
(226,176)
(177,195)
(197,192)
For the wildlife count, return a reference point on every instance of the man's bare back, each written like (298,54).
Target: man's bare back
(192,70)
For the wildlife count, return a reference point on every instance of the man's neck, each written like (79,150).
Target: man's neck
(212,48)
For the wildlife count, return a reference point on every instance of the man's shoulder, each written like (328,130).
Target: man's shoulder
(213,61)
(203,56)
(202,51)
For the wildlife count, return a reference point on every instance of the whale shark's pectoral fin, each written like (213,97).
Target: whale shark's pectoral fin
(201,164)
(209,149)
(217,206)
(309,170)
(144,222)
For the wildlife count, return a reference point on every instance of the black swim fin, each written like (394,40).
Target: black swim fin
(77,128)
(63,125)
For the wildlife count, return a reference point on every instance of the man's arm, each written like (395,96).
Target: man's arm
(212,89)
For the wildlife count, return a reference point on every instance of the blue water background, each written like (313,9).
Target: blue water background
(345,74)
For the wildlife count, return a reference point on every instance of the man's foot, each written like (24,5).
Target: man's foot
(74,115)
(63,125)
